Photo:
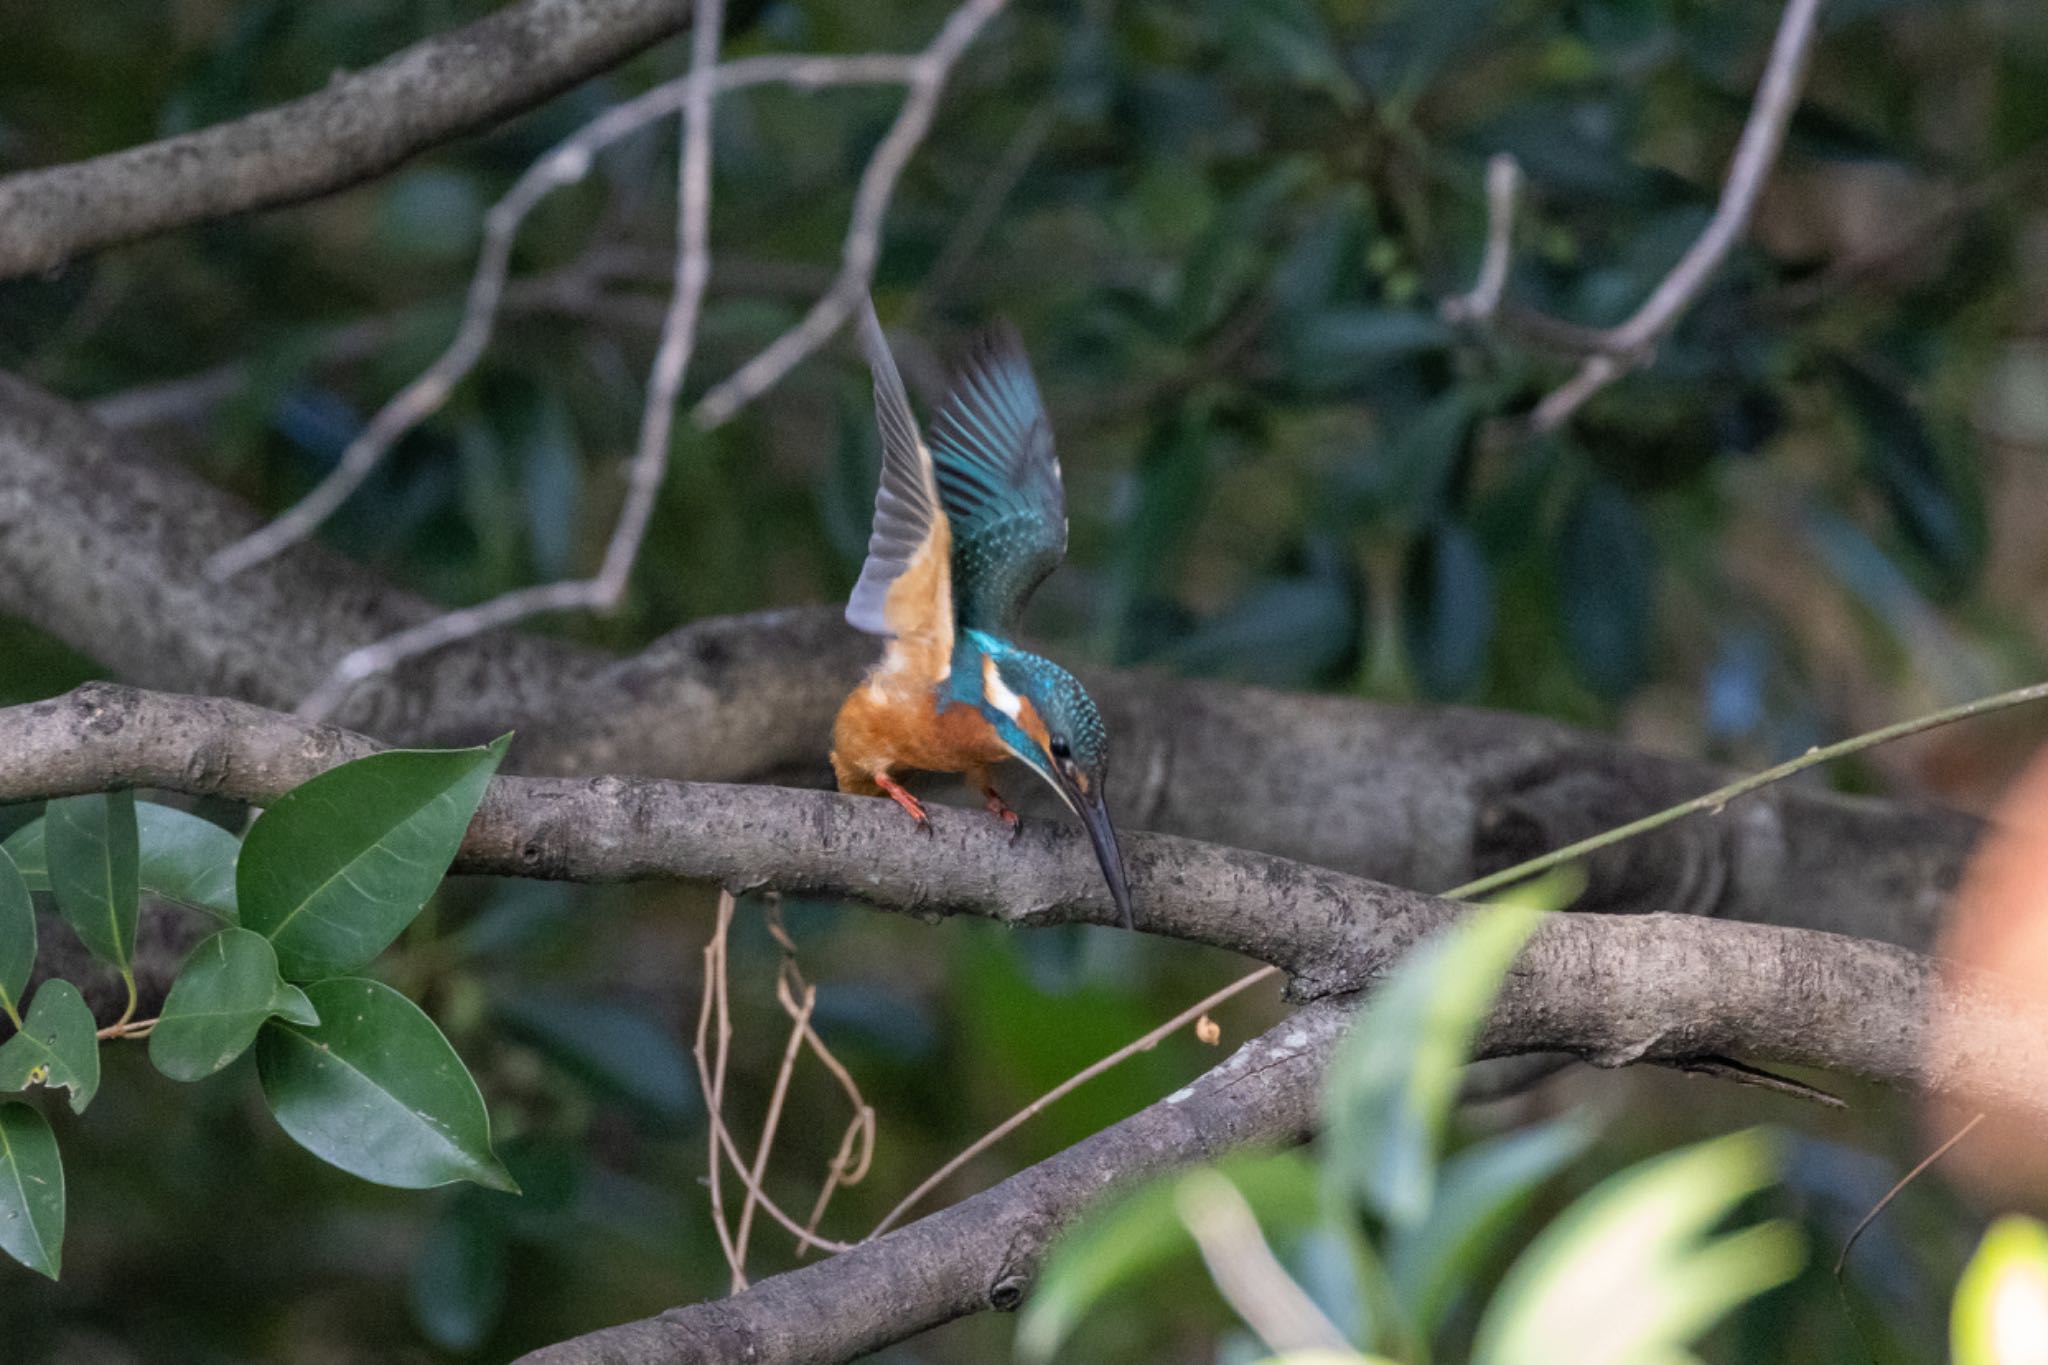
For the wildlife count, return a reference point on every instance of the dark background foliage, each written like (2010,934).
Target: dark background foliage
(1223,229)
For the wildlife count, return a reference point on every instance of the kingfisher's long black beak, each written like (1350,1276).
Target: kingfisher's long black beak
(1095,816)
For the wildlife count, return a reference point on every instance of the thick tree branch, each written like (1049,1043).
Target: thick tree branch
(1612,990)
(360,126)
(101,546)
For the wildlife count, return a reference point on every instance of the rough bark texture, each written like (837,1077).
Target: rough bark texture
(359,126)
(101,545)
(1609,989)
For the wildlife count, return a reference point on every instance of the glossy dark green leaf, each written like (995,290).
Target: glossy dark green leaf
(376,1090)
(1480,1192)
(93,857)
(1607,566)
(1410,475)
(17,936)
(1345,346)
(624,1050)
(1448,612)
(336,869)
(58,1046)
(226,989)
(457,1285)
(1391,1086)
(1140,1234)
(187,859)
(1309,272)
(24,848)
(181,858)
(1937,502)
(31,1190)
(1290,633)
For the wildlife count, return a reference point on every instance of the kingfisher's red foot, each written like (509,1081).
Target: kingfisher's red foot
(904,799)
(996,806)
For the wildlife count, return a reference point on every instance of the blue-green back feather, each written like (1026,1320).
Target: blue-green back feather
(999,481)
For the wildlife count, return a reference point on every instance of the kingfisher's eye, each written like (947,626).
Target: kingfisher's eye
(1060,750)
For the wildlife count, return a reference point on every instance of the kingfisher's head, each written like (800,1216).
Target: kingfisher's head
(1047,719)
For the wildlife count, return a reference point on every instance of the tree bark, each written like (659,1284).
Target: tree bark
(101,546)
(361,125)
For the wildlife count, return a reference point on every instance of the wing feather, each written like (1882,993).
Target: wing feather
(905,586)
(999,484)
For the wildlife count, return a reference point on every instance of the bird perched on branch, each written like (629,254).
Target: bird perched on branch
(966,528)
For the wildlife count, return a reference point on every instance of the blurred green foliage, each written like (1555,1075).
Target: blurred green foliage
(1223,228)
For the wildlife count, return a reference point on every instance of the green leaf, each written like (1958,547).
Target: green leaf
(58,1046)
(1142,1233)
(457,1286)
(1935,498)
(336,869)
(183,858)
(93,861)
(17,937)
(1345,346)
(2001,1308)
(1607,572)
(623,1049)
(1447,615)
(24,848)
(31,1190)
(1480,1192)
(188,859)
(376,1090)
(1394,1080)
(225,991)
(1637,1257)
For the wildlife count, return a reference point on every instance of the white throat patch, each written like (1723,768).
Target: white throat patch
(997,692)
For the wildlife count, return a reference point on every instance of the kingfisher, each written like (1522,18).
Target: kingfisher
(966,528)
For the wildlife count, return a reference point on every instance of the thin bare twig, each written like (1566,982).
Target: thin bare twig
(711,1074)
(711,1065)
(1009,1125)
(771,1123)
(664,384)
(1948,1145)
(1247,1273)
(1630,344)
(1482,301)
(863,247)
(1742,1073)
(568,162)
(849,1165)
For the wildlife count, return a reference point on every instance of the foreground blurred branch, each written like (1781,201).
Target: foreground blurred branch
(359,126)
(1611,990)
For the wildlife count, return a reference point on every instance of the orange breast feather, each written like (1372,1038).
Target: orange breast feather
(884,728)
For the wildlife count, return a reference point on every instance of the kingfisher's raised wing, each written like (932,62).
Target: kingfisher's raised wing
(999,484)
(905,588)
